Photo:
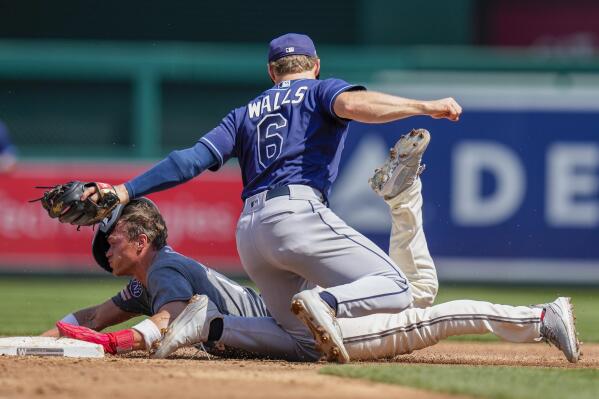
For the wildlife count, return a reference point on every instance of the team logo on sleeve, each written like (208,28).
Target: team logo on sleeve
(136,288)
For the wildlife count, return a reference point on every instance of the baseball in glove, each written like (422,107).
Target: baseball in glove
(64,202)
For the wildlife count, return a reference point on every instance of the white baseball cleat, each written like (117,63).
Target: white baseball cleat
(192,326)
(402,166)
(557,327)
(320,319)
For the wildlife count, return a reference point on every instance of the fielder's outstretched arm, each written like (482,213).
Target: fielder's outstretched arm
(375,107)
(178,167)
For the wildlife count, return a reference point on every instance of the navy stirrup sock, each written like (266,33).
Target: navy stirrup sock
(329,299)
(216,329)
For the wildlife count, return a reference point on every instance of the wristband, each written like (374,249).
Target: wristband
(149,331)
(70,319)
(122,341)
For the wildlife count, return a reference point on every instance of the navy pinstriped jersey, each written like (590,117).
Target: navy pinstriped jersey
(287,135)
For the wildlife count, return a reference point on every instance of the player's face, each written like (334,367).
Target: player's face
(123,253)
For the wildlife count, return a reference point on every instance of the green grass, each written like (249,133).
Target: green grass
(31,305)
(483,382)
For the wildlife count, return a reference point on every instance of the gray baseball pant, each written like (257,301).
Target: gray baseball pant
(291,243)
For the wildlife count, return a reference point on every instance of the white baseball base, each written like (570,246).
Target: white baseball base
(47,346)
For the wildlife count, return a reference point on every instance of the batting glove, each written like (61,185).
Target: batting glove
(115,342)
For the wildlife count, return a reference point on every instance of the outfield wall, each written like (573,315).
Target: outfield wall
(511,192)
(201,216)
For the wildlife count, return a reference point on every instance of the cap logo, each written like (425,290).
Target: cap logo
(290,44)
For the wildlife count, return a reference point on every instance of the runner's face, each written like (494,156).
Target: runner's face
(122,253)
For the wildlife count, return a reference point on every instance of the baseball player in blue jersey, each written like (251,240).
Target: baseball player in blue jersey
(288,141)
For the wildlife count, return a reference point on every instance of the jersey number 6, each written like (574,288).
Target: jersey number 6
(270,140)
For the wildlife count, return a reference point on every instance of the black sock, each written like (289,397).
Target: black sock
(216,329)
(329,299)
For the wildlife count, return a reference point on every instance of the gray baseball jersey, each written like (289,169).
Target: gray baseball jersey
(175,277)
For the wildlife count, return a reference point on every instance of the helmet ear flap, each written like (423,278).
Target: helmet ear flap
(99,248)
(100,241)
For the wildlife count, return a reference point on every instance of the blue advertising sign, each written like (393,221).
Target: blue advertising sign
(504,189)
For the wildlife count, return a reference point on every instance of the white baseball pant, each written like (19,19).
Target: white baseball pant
(408,247)
(379,335)
(382,335)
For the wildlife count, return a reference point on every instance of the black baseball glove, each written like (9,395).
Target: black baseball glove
(64,202)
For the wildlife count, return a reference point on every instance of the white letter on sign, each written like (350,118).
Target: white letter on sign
(571,180)
(470,159)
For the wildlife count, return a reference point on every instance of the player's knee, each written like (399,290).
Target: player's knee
(424,302)
(425,295)
(433,290)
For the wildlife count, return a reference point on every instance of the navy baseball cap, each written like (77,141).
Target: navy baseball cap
(290,44)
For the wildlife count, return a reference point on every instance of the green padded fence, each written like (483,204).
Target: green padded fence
(62,98)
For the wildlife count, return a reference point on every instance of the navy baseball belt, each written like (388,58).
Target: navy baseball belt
(286,191)
(296,191)
(277,192)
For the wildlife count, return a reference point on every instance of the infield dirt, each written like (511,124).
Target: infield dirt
(190,375)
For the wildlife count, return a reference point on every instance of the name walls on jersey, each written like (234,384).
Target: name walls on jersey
(275,100)
(571,184)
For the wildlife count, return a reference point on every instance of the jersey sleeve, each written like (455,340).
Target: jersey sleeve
(168,284)
(180,166)
(221,140)
(327,93)
(133,299)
